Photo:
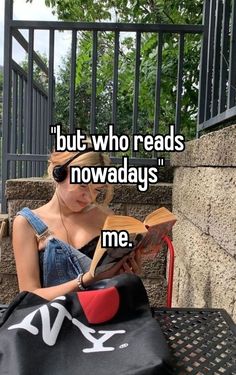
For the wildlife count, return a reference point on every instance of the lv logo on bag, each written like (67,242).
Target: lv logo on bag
(50,331)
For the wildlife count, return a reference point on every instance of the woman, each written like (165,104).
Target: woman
(51,242)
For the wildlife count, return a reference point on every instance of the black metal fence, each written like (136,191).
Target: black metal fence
(217,95)
(29,106)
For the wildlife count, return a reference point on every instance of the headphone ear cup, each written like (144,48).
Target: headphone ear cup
(59,173)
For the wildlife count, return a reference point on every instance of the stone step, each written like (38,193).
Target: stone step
(3,225)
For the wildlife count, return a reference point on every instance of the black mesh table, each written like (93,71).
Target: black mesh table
(201,341)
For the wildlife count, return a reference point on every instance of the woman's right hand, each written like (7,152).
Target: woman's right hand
(132,264)
(128,264)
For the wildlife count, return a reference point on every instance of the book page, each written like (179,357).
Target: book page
(121,222)
(161,215)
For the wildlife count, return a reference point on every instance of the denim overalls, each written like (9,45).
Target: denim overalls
(59,262)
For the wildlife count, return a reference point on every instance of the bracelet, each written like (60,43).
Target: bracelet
(80,283)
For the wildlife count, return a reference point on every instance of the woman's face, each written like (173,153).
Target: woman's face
(78,196)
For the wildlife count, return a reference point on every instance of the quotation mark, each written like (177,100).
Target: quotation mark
(160,162)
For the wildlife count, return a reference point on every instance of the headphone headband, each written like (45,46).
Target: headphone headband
(76,156)
(60,171)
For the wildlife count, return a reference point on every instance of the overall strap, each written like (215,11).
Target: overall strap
(40,228)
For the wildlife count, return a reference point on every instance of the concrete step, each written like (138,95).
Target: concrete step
(3,225)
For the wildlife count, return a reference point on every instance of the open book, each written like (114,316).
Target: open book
(147,236)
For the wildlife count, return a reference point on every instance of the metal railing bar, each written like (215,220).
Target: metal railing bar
(23,73)
(224,56)
(106,26)
(51,93)
(34,130)
(72,82)
(210,61)
(216,59)
(14,117)
(41,128)
(43,118)
(94,83)
(157,105)
(6,97)
(226,115)
(20,122)
(139,161)
(23,42)
(179,83)
(27,157)
(38,126)
(232,59)
(24,128)
(29,99)
(203,64)
(158,85)
(46,130)
(115,79)
(136,86)
(117,160)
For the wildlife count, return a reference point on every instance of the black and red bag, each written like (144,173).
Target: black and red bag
(105,331)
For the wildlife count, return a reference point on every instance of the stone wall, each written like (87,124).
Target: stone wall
(33,192)
(204,200)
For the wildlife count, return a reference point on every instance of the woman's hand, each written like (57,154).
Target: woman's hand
(132,264)
(129,264)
